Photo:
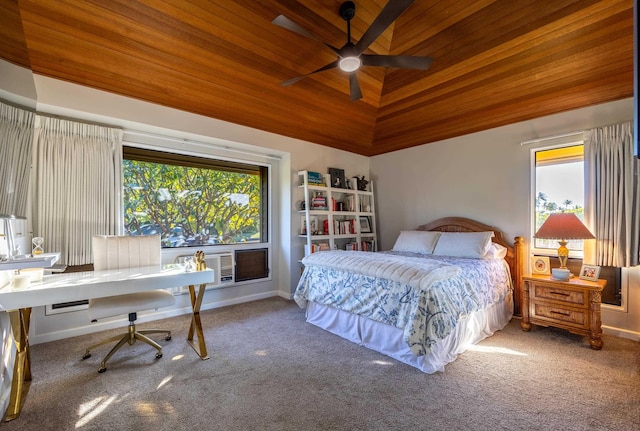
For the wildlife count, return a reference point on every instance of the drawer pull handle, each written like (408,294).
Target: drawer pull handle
(560,313)
(560,293)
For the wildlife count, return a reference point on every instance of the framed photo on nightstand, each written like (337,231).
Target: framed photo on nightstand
(540,265)
(589,272)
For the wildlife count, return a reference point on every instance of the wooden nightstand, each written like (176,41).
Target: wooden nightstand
(573,305)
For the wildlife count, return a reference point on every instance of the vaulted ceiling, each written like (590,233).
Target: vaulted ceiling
(495,62)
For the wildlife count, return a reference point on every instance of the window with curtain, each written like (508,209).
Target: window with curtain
(559,184)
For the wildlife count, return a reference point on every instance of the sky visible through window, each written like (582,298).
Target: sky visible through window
(561,182)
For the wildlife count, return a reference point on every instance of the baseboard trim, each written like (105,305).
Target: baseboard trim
(147,317)
(622,333)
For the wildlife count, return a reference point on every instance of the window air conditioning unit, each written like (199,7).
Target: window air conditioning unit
(222,265)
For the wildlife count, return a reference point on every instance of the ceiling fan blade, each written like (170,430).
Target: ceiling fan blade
(298,78)
(392,10)
(403,61)
(285,22)
(354,87)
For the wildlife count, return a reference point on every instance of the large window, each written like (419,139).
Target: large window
(193,201)
(559,187)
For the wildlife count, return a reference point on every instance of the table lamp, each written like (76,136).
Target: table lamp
(563,226)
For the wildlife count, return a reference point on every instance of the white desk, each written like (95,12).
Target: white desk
(59,288)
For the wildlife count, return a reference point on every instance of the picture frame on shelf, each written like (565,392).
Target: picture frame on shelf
(589,272)
(365,224)
(338,180)
(540,265)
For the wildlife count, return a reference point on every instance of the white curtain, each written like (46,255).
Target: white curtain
(78,183)
(16,141)
(612,195)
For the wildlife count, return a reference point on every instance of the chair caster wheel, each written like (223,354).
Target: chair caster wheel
(167,338)
(158,355)
(86,356)
(102,369)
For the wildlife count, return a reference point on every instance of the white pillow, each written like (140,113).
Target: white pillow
(416,241)
(463,244)
(496,251)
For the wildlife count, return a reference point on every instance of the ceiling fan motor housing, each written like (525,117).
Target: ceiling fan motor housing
(347,10)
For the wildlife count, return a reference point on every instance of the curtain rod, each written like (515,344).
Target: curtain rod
(200,144)
(548,138)
(15,105)
(76,120)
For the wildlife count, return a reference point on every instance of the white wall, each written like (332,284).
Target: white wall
(485,176)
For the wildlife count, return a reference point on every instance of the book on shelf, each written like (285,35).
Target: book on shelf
(314,248)
(369,245)
(365,204)
(344,227)
(315,179)
(351,246)
(319,202)
(349,203)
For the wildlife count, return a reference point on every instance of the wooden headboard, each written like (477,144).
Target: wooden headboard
(514,257)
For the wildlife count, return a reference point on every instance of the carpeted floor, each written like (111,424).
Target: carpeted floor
(269,370)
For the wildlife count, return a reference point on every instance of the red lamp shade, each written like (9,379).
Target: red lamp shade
(563,226)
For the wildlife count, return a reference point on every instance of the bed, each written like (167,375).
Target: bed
(442,288)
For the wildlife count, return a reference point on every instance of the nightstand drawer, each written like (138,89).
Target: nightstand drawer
(556,293)
(563,315)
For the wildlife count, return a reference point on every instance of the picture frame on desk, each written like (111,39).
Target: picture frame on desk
(589,272)
(365,225)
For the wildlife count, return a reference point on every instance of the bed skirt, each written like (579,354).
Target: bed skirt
(387,339)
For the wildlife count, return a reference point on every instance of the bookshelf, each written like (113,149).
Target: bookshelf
(335,218)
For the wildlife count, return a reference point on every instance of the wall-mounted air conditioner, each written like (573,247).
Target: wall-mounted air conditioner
(222,265)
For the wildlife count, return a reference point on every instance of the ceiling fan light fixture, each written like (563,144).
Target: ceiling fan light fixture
(349,64)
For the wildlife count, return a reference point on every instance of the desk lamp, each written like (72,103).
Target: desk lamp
(563,226)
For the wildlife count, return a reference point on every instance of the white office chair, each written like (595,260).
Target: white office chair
(114,252)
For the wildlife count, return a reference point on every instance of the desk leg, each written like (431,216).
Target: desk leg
(196,324)
(20,321)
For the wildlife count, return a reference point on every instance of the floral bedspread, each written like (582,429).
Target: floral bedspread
(423,295)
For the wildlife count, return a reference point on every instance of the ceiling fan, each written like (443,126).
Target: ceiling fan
(350,56)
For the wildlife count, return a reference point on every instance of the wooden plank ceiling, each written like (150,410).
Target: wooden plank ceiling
(495,62)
